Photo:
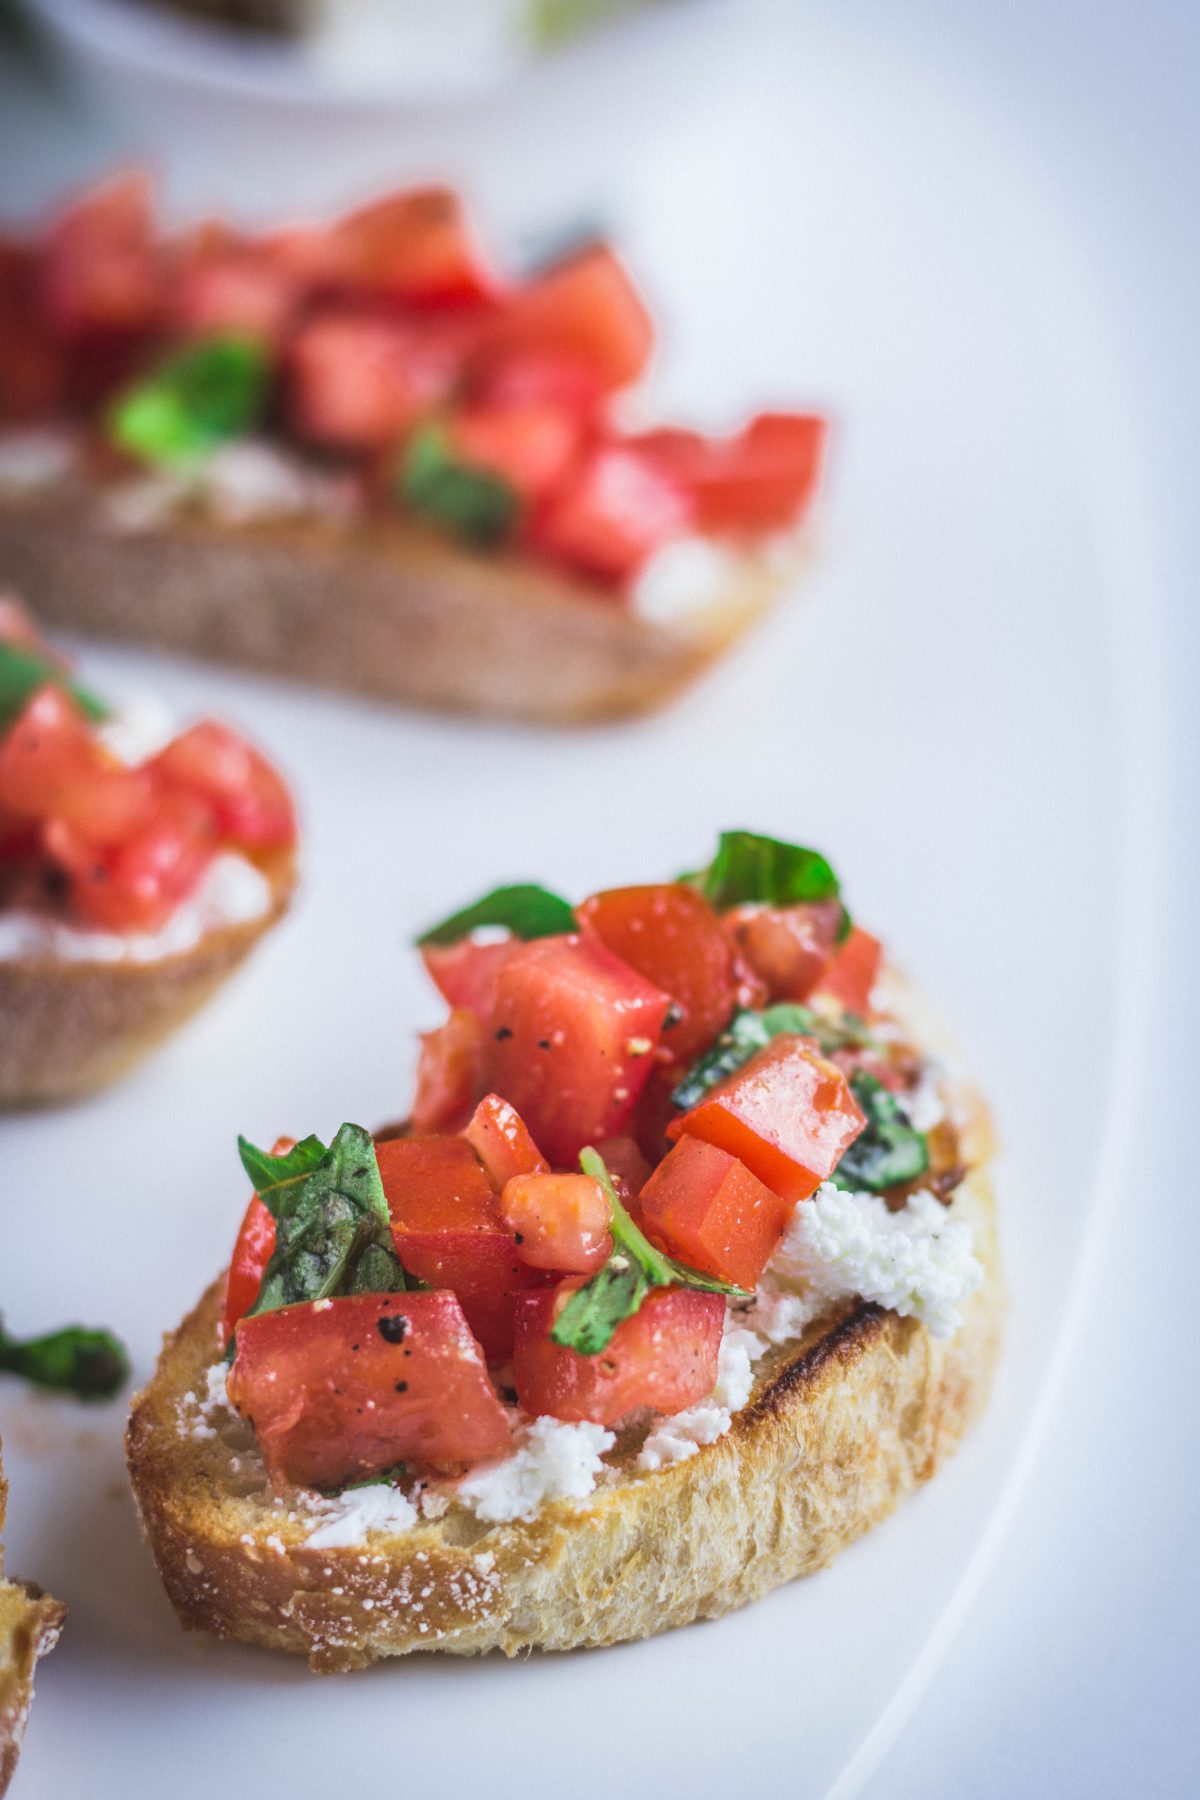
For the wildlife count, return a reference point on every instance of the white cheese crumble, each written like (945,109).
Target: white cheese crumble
(242,483)
(553,1460)
(35,459)
(679,1436)
(137,730)
(685,577)
(918,1261)
(232,892)
(347,1519)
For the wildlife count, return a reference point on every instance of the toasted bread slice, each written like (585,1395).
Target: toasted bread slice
(72,1026)
(30,1622)
(384,609)
(842,1425)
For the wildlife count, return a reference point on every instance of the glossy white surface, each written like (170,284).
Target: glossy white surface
(957,711)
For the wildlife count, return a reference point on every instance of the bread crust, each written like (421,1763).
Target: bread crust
(841,1427)
(30,1622)
(70,1027)
(381,608)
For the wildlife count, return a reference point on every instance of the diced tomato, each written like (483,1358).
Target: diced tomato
(788,947)
(612,516)
(358,381)
(137,885)
(415,247)
(101,268)
(625,1163)
(571,1041)
(585,307)
(46,749)
(500,1139)
(465,973)
(760,480)
(569,384)
(530,446)
(852,974)
(788,1114)
(664,1357)
(558,1222)
(243,290)
(247,794)
(339,1389)
(449,1073)
(18,625)
(251,1254)
(108,805)
(671,935)
(32,369)
(450,1231)
(656,1110)
(706,1208)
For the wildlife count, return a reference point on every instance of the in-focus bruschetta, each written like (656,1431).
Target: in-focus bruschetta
(137,870)
(356,454)
(30,1622)
(682,1275)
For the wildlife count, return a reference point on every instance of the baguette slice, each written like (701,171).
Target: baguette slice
(382,608)
(71,1027)
(841,1426)
(30,1622)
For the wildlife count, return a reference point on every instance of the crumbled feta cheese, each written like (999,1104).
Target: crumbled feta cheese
(138,729)
(918,1261)
(35,459)
(684,577)
(347,1518)
(925,1104)
(680,1435)
(553,1461)
(232,892)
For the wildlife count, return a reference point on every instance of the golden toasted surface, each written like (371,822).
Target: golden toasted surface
(30,1622)
(379,608)
(841,1426)
(72,1027)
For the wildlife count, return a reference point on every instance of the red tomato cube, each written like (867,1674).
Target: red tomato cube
(625,1163)
(500,1139)
(415,247)
(449,1073)
(852,974)
(102,270)
(137,885)
(248,795)
(762,479)
(251,1253)
(450,1231)
(358,381)
(530,446)
(465,973)
(788,947)
(242,290)
(706,1208)
(788,1114)
(585,308)
(607,522)
(339,1389)
(664,1357)
(46,749)
(671,935)
(571,1041)
(559,1222)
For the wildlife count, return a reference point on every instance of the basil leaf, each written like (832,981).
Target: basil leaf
(23,671)
(749,1032)
(749,868)
(333,1234)
(889,1150)
(196,400)
(591,1316)
(528,911)
(77,1360)
(474,503)
(268,1171)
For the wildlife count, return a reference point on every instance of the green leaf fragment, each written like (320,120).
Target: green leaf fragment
(889,1150)
(751,869)
(78,1360)
(24,670)
(472,502)
(269,1171)
(196,400)
(525,909)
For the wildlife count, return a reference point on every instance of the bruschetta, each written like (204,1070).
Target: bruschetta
(30,1622)
(682,1274)
(356,454)
(134,875)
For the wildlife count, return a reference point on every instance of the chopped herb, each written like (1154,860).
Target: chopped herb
(393,1474)
(528,911)
(748,1032)
(195,400)
(749,868)
(591,1316)
(77,1360)
(23,671)
(472,502)
(333,1233)
(889,1150)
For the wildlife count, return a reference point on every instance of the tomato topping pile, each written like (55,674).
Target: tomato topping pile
(118,847)
(613,1129)
(386,342)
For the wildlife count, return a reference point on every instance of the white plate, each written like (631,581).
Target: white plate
(953,712)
